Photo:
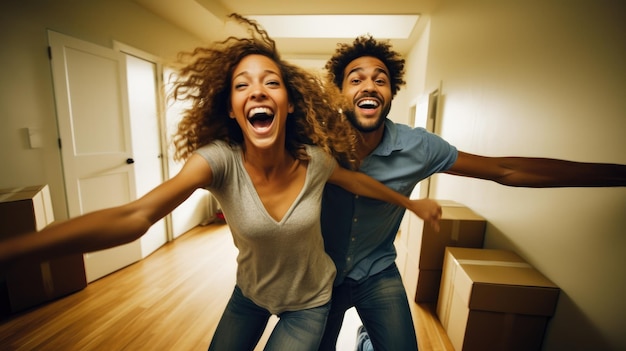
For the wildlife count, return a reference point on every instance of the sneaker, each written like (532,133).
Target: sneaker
(363,342)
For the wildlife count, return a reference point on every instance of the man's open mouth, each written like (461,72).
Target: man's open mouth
(368,104)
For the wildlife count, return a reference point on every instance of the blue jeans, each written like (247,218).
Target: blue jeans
(383,306)
(243,323)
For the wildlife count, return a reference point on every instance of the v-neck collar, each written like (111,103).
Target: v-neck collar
(257,198)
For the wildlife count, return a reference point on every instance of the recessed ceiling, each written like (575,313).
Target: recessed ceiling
(337,26)
(207,20)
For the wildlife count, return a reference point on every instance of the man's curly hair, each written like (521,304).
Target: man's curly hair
(204,81)
(366,45)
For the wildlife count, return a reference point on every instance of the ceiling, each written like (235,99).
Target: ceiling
(207,19)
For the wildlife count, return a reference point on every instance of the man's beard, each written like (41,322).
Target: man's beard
(367,128)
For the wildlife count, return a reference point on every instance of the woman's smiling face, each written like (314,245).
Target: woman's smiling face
(259,101)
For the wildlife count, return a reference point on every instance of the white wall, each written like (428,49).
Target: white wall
(26,98)
(547,79)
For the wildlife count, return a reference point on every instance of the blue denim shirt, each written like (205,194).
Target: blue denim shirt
(359,232)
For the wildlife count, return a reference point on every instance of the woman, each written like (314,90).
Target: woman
(264,137)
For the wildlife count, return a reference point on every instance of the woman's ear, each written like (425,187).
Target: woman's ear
(290,108)
(231,114)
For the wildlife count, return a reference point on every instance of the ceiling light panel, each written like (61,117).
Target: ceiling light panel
(337,26)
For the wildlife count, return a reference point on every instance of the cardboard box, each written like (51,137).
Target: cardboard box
(494,300)
(29,283)
(459,227)
(24,210)
(428,282)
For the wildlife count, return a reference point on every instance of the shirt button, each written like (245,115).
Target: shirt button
(353,239)
(356,196)
(349,259)
(355,220)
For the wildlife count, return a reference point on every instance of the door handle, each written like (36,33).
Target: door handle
(130,161)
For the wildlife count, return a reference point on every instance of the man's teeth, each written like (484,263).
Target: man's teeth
(368,103)
(260,110)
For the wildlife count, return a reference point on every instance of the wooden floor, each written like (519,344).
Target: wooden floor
(172,300)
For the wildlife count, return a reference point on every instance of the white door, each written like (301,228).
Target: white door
(92,113)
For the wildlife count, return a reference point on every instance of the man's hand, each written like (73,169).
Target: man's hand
(428,210)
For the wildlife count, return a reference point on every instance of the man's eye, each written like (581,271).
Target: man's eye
(355,81)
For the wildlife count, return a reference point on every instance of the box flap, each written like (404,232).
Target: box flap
(19,194)
(527,300)
(505,273)
(459,212)
(463,253)
(451,203)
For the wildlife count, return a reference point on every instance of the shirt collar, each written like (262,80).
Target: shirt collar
(390,141)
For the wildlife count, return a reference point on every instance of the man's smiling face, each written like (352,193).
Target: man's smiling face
(367,85)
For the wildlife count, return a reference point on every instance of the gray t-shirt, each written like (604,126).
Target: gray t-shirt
(282,266)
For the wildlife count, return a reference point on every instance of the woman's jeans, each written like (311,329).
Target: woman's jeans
(243,324)
(383,307)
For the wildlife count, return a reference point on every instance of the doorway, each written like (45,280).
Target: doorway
(111,134)
(144,72)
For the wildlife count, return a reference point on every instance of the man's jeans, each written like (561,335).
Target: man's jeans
(382,304)
(243,323)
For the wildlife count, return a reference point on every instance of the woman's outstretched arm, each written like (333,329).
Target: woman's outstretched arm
(109,227)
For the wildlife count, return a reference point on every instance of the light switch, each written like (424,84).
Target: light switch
(35,139)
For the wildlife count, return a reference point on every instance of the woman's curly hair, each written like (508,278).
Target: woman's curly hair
(366,45)
(205,82)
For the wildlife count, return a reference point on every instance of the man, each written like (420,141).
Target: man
(359,232)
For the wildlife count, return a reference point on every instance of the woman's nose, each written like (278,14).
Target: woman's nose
(258,93)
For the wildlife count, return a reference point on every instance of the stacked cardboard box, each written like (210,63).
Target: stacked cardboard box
(494,300)
(26,284)
(459,227)
(24,209)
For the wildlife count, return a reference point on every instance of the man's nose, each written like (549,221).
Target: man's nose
(369,85)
